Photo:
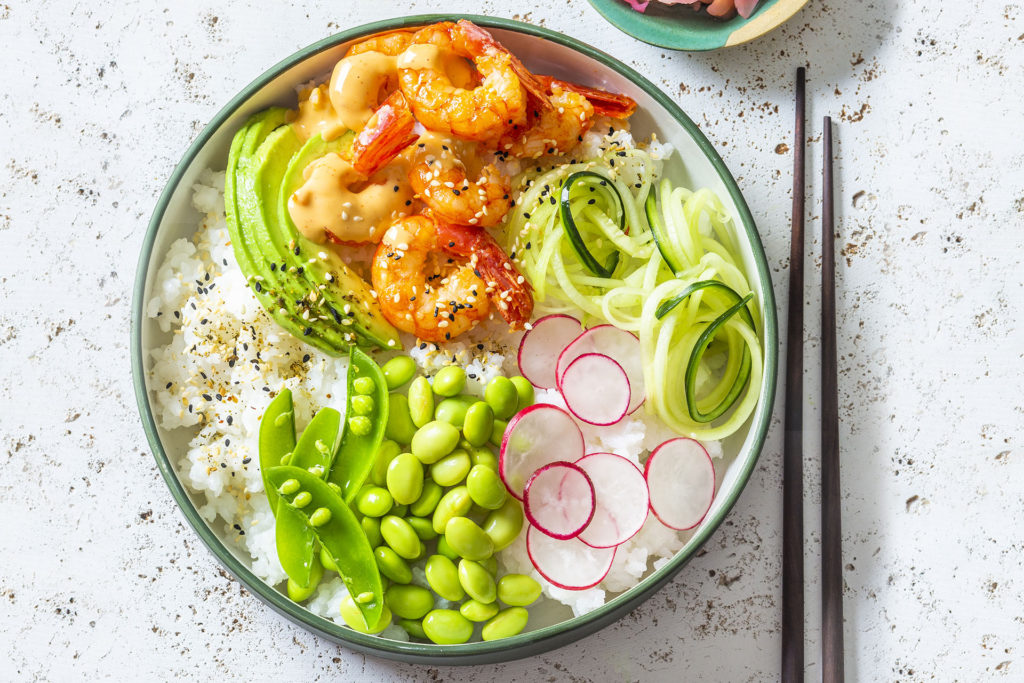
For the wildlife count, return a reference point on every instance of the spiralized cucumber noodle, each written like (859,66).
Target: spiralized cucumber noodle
(663,224)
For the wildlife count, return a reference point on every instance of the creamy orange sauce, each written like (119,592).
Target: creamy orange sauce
(335,198)
(430,57)
(358,85)
(316,115)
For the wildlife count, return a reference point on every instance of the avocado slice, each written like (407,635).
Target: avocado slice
(243,145)
(282,267)
(344,294)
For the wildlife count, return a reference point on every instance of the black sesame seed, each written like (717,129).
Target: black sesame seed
(246,461)
(259,287)
(207,397)
(308,331)
(230,419)
(305,358)
(168,385)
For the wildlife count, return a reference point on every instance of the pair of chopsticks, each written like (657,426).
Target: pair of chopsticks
(792,483)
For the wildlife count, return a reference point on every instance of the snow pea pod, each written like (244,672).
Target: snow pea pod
(341,535)
(313,454)
(358,451)
(277,439)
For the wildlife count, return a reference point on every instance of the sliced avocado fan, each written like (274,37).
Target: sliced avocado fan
(305,287)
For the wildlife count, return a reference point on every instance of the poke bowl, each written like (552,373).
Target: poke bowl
(215,383)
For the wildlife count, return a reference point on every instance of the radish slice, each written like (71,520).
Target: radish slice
(539,348)
(572,564)
(596,389)
(622,499)
(536,436)
(619,345)
(681,480)
(559,500)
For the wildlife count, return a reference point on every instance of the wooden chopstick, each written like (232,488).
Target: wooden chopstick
(831,504)
(793,452)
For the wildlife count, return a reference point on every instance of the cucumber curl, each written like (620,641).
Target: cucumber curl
(608,238)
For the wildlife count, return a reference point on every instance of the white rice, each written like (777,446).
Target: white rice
(226,359)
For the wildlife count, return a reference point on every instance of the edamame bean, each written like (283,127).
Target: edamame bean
(433,441)
(504,524)
(455,503)
(453,410)
(328,562)
(423,528)
(409,602)
(452,468)
(398,371)
(467,539)
(363,385)
(371,527)
(425,504)
(387,452)
(413,627)
(502,396)
(508,622)
(518,590)
(299,593)
(400,510)
(486,488)
(525,392)
(405,478)
(400,427)
(421,401)
(447,627)
(498,432)
(477,581)
(392,565)
(484,456)
(443,578)
(362,405)
(449,381)
(478,611)
(478,423)
(446,550)
(400,536)
(354,618)
(374,501)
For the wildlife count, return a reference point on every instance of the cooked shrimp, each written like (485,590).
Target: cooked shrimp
(421,291)
(439,174)
(391,44)
(557,128)
(551,130)
(507,288)
(440,177)
(482,113)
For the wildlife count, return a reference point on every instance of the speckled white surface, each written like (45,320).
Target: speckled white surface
(100,577)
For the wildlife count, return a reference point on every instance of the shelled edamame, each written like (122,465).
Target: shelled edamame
(432,498)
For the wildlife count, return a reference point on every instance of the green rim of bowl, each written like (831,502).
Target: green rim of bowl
(525,644)
(680,28)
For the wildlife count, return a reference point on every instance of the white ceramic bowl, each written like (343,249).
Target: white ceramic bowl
(696,164)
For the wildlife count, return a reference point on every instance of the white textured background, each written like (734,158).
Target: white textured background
(99,576)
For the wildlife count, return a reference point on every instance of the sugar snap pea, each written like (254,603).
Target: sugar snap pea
(277,438)
(358,451)
(341,535)
(313,454)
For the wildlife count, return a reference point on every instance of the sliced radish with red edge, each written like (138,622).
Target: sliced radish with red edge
(540,347)
(619,345)
(536,436)
(571,564)
(681,480)
(596,389)
(622,499)
(559,500)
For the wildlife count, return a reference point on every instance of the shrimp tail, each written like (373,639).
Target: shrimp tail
(480,41)
(387,133)
(506,286)
(605,103)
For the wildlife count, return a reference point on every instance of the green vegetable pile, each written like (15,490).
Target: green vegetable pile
(606,238)
(414,482)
